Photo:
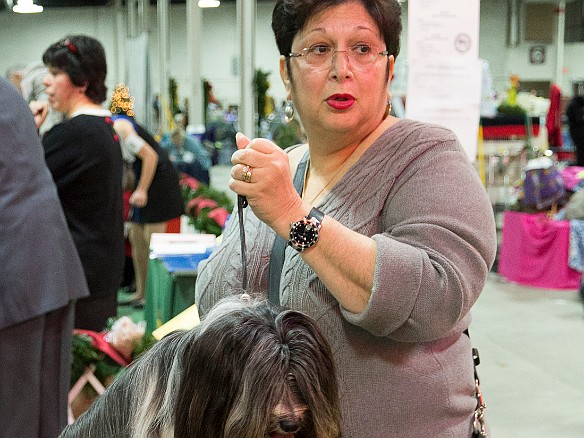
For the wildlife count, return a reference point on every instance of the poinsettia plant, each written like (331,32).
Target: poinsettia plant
(206,207)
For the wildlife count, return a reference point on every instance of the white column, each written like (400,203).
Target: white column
(132,19)
(560,43)
(513,29)
(143,15)
(195,90)
(163,62)
(120,42)
(246,18)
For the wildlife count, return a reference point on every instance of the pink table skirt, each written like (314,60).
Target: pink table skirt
(534,251)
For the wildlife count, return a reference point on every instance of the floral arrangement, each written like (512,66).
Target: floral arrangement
(109,351)
(207,208)
(510,107)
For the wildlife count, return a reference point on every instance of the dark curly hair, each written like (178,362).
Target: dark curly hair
(290,16)
(83,59)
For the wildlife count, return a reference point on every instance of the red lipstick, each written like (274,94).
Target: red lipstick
(340,101)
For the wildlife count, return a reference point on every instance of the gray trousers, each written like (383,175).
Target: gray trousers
(35,369)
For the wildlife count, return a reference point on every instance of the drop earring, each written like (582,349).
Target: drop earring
(289,111)
(387,109)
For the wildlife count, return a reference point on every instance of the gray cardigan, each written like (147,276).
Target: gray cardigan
(404,367)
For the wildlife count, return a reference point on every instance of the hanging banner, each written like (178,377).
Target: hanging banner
(138,77)
(445,73)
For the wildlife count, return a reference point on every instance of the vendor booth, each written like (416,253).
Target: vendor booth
(534,251)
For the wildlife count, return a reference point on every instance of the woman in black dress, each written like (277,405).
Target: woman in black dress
(156,198)
(85,160)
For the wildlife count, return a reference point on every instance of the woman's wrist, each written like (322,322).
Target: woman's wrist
(294,214)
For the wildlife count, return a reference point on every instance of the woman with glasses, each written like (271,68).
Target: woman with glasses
(85,159)
(390,234)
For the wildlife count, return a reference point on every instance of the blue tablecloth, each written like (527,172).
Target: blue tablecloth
(183,264)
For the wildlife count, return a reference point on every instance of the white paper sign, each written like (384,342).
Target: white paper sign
(443,28)
(445,73)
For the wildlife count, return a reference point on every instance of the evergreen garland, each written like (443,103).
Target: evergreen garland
(173,96)
(261,86)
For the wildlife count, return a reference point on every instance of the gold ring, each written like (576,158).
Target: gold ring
(246,174)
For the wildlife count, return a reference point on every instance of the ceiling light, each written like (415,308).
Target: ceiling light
(209,3)
(27,7)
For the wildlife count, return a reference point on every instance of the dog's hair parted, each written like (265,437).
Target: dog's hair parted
(249,370)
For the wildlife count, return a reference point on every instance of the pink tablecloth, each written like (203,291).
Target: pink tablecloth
(534,251)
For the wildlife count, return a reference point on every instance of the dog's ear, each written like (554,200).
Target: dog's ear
(310,350)
(212,378)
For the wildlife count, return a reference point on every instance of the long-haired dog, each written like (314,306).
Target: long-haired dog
(249,370)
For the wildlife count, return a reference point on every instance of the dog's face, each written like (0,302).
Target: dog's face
(259,374)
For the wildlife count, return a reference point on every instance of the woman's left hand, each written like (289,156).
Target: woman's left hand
(261,173)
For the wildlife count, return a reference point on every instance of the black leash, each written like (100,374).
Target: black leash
(241,204)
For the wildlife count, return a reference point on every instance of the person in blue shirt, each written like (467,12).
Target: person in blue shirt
(187,154)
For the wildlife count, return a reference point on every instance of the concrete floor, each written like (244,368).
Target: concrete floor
(531,344)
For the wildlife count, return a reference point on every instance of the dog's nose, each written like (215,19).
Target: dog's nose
(290,425)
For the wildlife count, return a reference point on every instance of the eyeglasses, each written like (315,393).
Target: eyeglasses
(320,56)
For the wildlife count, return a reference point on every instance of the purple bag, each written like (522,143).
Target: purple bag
(542,187)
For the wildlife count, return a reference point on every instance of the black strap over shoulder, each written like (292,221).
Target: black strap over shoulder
(279,247)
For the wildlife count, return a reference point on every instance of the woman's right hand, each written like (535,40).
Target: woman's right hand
(139,198)
(40,110)
(270,192)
